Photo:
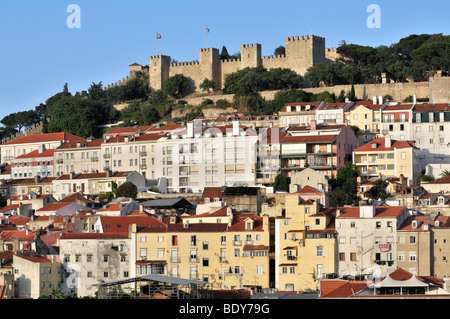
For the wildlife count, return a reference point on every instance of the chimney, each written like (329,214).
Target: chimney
(374,99)
(141,208)
(313,125)
(367,211)
(387,142)
(235,127)
(36,179)
(190,129)
(414,99)
(380,99)
(41,148)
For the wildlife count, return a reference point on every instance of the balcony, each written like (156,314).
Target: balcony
(175,259)
(238,243)
(143,166)
(143,153)
(94,159)
(59,161)
(106,155)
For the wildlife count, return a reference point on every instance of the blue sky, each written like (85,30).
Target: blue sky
(39,53)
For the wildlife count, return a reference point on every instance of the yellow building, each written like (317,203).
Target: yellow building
(228,251)
(305,248)
(366,116)
(384,157)
(35,276)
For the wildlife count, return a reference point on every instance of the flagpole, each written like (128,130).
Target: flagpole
(206,36)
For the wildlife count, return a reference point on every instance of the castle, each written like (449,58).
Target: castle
(301,52)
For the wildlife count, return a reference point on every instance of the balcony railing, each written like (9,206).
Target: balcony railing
(94,159)
(106,155)
(143,153)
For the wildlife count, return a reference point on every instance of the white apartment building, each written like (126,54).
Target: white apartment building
(197,157)
(135,152)
(78,157)
(367,238)
(92,258)
(430,130)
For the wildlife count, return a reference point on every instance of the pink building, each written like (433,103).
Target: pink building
(325,148)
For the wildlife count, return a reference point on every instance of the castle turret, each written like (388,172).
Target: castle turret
(210,66)
(158,71)
(250,55)
(303,52)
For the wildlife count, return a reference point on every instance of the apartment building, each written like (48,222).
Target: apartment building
(92,258)
(384,157)
(396,121)
(136,152)
(227,251)
(332,113)
(305,244)
(268,155)
(366,115)
(93,184)
(367,238)
(29,143)
(324,148)
(298,114)
(431,124)
(311,178)
(36,163)
(35,276)
(199,157)
(78,157)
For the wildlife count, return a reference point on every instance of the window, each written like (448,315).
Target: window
(412,239)
(319,251)
(412,256)
(205,245)
(237,252)
(160,252)
(317,221)
(89,258)
(205,262)
(378,224)
(259,269)
(352,256)
(174,240)
(105,258)
(193,240)
(401,239)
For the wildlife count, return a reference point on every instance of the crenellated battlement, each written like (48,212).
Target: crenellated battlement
(330,49)
(181,64)
(159,56)
(303,38)
(248,46)
(230,60)
(276,56)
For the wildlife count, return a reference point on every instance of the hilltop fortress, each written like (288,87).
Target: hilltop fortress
(302,52)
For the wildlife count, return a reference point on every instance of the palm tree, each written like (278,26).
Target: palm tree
(57,293)
(445,172)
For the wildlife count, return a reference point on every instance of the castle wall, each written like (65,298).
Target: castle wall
(274,61)
(228,67)
(188,69)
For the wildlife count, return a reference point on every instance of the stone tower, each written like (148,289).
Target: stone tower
(303,52)
(158,71)
(250,55)
(209,66)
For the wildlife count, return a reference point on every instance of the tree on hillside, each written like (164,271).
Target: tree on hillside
(224,54)
(344,187)
(281,183)
(281,50)
(127,189)
(176,86)
(207,85)
(72,115)
(378,190)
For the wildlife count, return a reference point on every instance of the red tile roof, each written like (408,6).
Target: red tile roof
(426,107)
(35,153)
(35,259)
(340,288)
(94,236)
(211,192)
(119,224)
(380,211)
(42,138)
(381,146)
(74,144)
(442,180)
(308,190)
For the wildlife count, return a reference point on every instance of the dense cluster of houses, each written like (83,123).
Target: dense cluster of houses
(58,238)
